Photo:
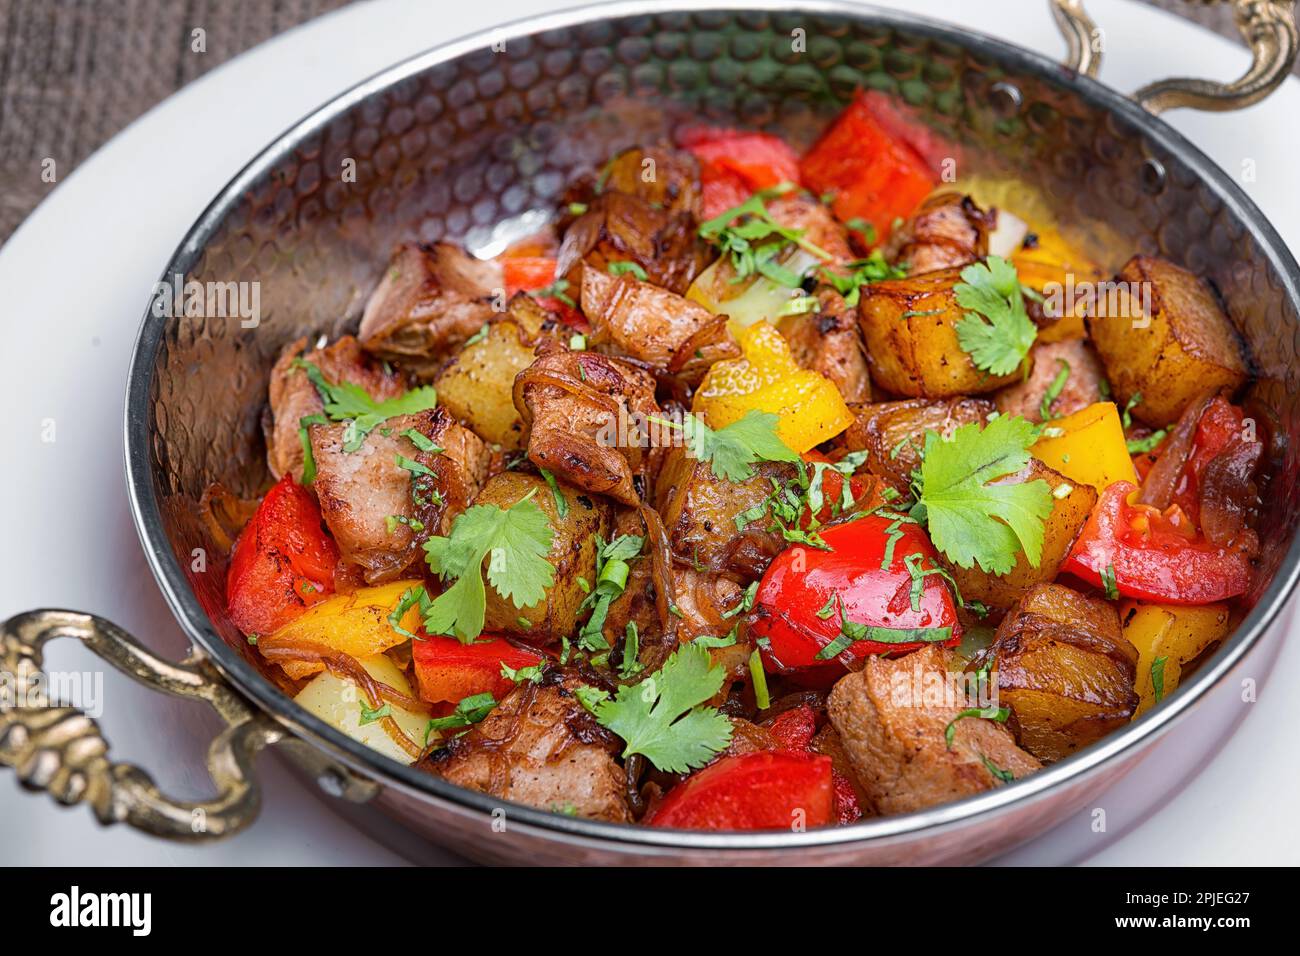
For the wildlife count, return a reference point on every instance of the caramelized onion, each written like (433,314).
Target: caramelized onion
(661,573)
(348,667)
(1162,481)
(1228,493)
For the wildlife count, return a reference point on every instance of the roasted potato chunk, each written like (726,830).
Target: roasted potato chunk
(1171,346)
(893,433)
(1071,504)
(910,330)
(477,386)
(1065,669)
(699,512)
(573,553)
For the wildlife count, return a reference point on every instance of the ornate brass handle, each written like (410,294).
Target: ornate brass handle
(1267,26)
(61,750)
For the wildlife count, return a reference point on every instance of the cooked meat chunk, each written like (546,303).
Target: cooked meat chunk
(618,227)
(828,342)
(431,299)
(1065,669)
(380,512)
(293,397)
(947,230)
(893,732)
(585,414)
(1082,386)
(801,210)
(893,433)
(542,749)
(653,326)
(700,511)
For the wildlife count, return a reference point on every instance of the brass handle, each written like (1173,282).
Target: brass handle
(61,750)
(1267,26)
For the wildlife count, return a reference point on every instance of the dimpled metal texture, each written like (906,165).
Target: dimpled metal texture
(453,149)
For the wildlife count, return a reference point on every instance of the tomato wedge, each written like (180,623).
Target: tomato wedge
(767,790)
(447,670)
(527,273)
(799,600)
(282,563)
(870,161)
(735,164)
(1151,559)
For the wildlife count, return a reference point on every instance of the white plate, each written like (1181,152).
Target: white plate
(75,279)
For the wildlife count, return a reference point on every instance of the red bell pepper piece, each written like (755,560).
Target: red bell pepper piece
(735,164)
(794,728)
(448,670)
(869,159)
(799,600)
(1219,424)
(282,563)
(767,790)
(527,273)
(833,489)
(847,808)
(1151,559)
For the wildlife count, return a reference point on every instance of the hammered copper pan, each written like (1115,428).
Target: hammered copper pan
(464,142)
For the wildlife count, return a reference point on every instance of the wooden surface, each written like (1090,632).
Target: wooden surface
(74,72)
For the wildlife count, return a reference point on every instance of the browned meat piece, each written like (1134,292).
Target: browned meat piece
(947,230)
(827,741)
(585,413)
(431,299)
(800,210)
(893,433)
(1065,669)
(542,749)
(653,326)
(828,342)
(618,227)
(700,510)
(293,397)
(893,730)
(361,490)
(1082,388)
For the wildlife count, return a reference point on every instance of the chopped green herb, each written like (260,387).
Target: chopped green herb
(561,504)
(1054,391)
(759,678)
(624,267)
(1158,678)
(1108,582)
(999,714)
(350,402)
(369,716)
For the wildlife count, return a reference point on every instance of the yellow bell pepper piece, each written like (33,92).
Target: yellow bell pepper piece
(767,379)
(1088,447)
(1172,635)
(356,624)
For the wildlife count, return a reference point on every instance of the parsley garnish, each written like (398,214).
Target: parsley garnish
(663,717)
(517,543)
(997,332)
(530,674)
(862,272)
(851,632)
(1054,391)
(369,716)
(557,290)
(621,268)
(631,666)
(470,710)
(755,242)
(561,504)
(1006,776)
(410,598)
(734,449)
(1108,582)
(349,402)
(304,436)
(1158,678)
(1140,446)
(999,714)
(970,520)
(1125,416)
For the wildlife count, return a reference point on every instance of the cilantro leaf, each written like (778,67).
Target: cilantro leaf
(970,520)
(996,333)
(347,401)
(663,718)
(516,542)
(734,449)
